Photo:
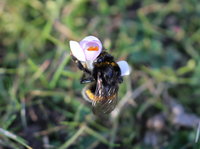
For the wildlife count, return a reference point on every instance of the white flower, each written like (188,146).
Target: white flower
(87,49)
(124,67)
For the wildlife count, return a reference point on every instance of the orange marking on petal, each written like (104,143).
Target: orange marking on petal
(93,48)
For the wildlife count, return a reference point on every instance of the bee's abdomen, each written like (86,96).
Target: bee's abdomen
(90,94)
(93,97)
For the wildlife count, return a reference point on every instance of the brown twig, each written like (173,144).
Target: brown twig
(129,95)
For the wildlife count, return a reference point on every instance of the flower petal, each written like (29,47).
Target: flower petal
(77,51)
(124,67)
(92,47)
(91,38)
(92,54)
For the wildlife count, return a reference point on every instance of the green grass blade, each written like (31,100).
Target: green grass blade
(99,137)
(14,137)
(59,71)
(73,138)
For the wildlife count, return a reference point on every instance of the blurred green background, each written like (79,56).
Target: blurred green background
(40,94)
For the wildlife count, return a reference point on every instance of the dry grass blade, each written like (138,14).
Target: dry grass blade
(129,96)
(198,133)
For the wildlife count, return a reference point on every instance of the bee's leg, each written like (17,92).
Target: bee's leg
(87,76)
(86,79)
(80,66)
(120,79)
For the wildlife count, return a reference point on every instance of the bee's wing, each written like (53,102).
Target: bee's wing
(108,96)
(104,106)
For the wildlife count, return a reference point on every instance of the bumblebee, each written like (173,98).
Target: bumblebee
(103,76)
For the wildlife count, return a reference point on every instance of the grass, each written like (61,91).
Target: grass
(40,94)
